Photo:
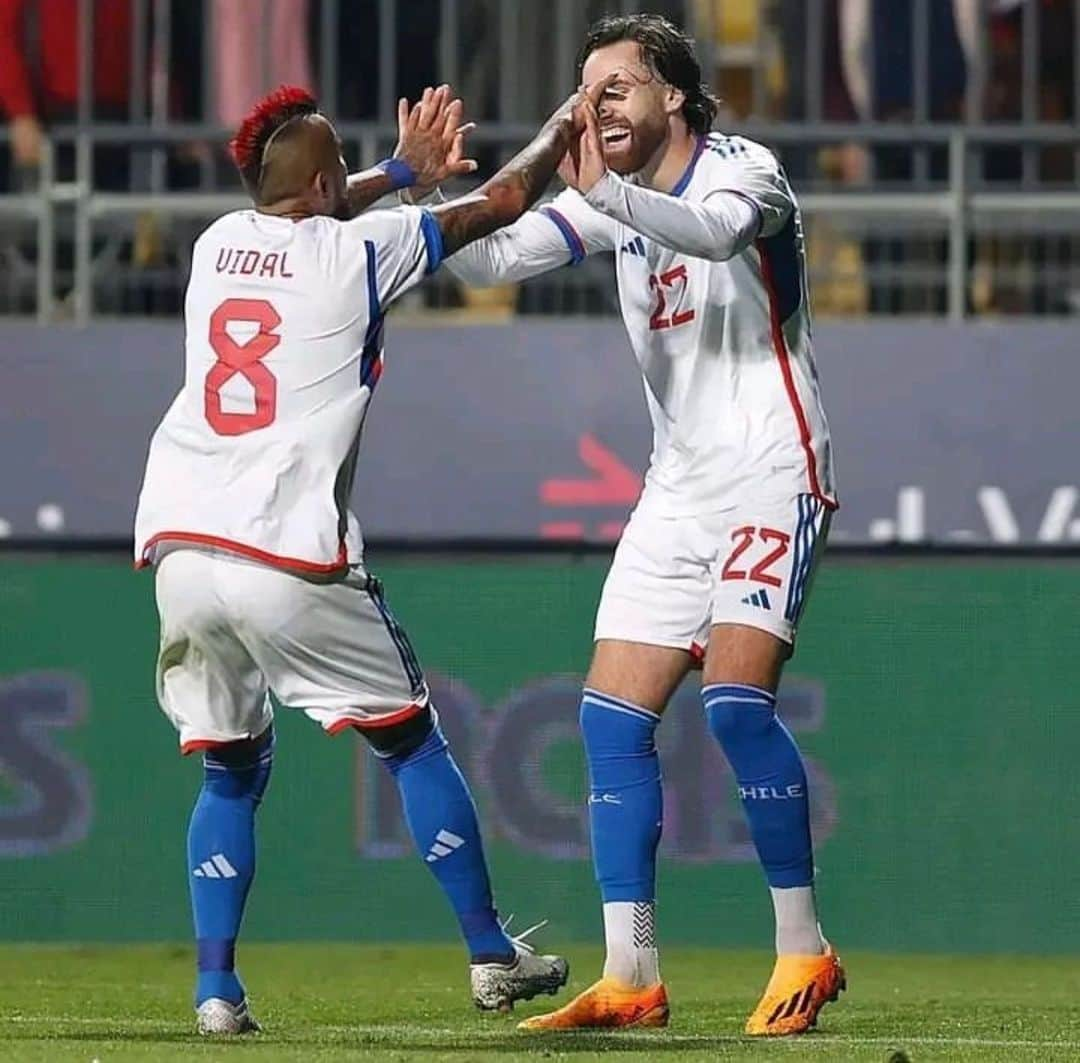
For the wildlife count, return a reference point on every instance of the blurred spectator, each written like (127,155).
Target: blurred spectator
(39,77)
(1009,268)
(257,45)
(879,62)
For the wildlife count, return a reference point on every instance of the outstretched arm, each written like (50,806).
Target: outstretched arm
(717,228)
(517,186)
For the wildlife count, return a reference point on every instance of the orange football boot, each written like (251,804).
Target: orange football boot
(607,1003)
(799,988)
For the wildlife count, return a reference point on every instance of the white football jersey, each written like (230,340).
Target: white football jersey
(724,346)
(283,349)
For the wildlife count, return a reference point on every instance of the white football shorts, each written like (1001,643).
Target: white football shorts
(232,631)
(673,578)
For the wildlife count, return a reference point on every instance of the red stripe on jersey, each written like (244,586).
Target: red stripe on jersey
(252,552)
(379,721)
(784,360)
(198,745)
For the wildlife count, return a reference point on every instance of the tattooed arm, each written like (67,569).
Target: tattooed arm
(518,185)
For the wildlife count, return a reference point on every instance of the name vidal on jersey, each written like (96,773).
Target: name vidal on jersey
(267,264)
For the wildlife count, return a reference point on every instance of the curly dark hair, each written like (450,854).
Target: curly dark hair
(670,55)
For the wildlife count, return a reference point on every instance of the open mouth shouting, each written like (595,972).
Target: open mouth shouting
(615,137)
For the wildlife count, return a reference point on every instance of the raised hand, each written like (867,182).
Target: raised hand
(572,108)
(591,164)
(431,137)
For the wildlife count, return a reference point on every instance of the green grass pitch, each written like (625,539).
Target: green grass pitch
(340,1002)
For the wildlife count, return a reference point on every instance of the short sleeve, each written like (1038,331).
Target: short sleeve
(401,246)
(752,171)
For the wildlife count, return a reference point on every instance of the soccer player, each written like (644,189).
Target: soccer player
(716,560)
(244,512)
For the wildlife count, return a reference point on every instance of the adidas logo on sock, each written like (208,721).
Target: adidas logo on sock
(445,843)
(758,598)
(216,867)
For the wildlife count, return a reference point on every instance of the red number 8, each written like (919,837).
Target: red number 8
(244,359)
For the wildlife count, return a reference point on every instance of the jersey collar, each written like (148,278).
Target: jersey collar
(688,173)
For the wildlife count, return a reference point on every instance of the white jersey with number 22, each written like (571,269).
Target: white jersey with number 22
(712,287)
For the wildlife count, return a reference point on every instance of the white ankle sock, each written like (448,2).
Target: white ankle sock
(630,936)
(797,930)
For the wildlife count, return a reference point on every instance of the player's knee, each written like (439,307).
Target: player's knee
(737,714)
(615,731)
(240,769)
(407,739)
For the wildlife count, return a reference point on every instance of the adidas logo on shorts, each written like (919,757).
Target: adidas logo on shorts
(216,867)
(445,843)
(758,598)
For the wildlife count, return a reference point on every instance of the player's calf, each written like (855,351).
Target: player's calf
(221,860)
(625,814)
(772,786)
(442,818)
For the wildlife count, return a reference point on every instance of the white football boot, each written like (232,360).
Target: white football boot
(215,1016)
(496,986)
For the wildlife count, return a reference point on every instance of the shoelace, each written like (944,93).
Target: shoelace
(519,939)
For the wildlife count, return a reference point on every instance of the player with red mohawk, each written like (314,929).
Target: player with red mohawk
(244,510)
(425,153)
(261,123)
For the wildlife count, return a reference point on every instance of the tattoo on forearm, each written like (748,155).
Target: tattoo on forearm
(511,192)
(367,187)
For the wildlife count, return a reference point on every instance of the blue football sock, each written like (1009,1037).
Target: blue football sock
(221,860)
(770,776)
(625,796)
(442,819)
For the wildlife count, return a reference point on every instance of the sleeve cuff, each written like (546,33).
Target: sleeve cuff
(570,234)
(433,240)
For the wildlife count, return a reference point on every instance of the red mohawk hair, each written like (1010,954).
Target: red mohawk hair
(264,119)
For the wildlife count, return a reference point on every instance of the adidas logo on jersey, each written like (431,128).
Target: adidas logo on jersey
(635,247)
(216,867)
(445,843)
(758,598)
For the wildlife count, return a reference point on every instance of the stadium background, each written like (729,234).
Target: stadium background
(934,689)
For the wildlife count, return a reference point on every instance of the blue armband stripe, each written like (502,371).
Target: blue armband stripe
(570,234)
(433,240)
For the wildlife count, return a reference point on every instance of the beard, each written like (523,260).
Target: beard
(633,153)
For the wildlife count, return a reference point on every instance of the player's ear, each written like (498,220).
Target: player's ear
(674,100)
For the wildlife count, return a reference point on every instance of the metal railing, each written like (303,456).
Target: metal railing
(952,209)
(490,48)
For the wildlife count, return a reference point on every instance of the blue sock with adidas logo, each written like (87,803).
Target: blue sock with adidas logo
(221,859)
(770,777)
(442,820)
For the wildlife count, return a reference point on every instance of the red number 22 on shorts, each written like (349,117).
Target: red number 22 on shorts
(744,539)
(245,359)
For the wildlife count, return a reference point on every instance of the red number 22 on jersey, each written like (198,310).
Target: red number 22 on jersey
(675,280)
(245,359)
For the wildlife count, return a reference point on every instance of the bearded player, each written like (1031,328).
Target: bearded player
(244,510)
(716,560)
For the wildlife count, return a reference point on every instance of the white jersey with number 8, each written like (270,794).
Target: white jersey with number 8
(283,350)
